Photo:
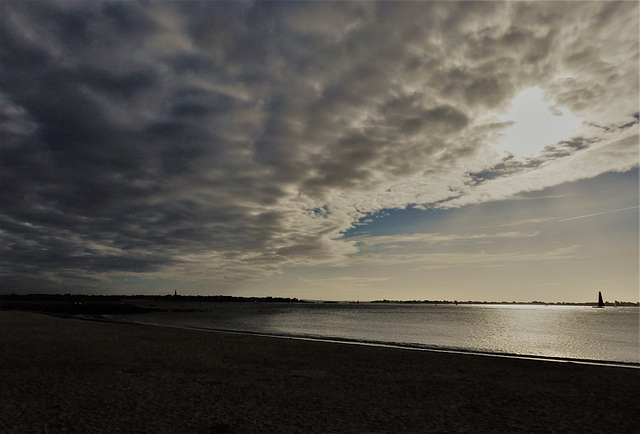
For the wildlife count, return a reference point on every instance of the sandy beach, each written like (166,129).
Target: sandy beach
(71,375)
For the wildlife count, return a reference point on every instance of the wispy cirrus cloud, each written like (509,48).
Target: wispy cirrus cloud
(599,213)
(423,239)
(427,260)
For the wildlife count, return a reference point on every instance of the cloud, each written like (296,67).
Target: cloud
(440,249)
(615,153)
(226,140)
(429,258)
(422,239)
(346,282)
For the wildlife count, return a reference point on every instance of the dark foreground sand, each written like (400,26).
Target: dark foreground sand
(68,375)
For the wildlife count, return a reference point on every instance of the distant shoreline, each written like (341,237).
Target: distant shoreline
(107,304)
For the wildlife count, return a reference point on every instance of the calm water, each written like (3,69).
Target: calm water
(610,334)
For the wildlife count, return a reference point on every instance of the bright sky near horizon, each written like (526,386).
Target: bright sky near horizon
(321,150)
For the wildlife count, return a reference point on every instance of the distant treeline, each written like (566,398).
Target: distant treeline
(540,303)
(68,304)
(82,304)
(118,298)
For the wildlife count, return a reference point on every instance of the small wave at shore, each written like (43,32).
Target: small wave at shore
(554,333)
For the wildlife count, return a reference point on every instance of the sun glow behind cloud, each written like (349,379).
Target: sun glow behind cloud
(537,123)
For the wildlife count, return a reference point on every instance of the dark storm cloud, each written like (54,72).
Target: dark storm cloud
(82,159)
(446,119)
(184,138)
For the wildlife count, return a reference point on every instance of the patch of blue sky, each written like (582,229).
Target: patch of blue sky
(607,192)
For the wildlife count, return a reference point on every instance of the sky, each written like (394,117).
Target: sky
(320,150)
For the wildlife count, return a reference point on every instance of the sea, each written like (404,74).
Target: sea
(556,332)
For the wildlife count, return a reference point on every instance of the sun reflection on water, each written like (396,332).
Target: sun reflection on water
(572,332)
